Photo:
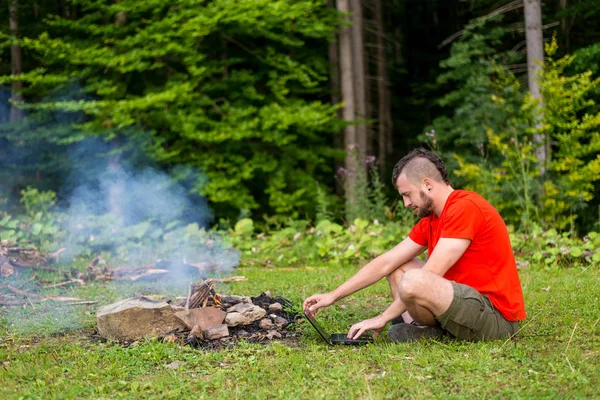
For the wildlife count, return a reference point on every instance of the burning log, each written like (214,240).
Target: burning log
(201,294)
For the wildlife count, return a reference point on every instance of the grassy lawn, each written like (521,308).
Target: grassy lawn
(48,353)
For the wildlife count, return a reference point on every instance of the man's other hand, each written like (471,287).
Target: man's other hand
(317,301)
(374,324)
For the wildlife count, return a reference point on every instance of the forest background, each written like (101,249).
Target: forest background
(214,112)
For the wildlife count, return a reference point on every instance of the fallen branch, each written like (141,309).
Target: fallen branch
(59,298)
(80,281)
(147,274)
(19,265)
(81,303)
(18,302)
(21,292)
(64,300)
(231,279)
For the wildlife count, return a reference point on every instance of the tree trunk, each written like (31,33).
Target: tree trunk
(535,59)
(360,92)
(348,111)
(334,79)
(564,28)
(16,114)
(383,92)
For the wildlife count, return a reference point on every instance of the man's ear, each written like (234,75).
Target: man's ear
(426,184)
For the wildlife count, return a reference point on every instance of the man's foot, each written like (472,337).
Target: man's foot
(409,332)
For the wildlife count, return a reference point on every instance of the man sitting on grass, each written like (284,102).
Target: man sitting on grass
(469,286)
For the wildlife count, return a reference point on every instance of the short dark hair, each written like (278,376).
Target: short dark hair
(420,163)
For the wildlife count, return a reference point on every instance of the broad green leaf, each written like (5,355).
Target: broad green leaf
(244,227)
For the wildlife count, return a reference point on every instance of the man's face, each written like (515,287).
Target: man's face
(414,197)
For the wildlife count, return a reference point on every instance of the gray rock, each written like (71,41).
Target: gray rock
(275,307)
(243,314)
(136,318)
(279,321)
(236,299)
(216,332)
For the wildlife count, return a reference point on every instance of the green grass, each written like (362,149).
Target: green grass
(557,355)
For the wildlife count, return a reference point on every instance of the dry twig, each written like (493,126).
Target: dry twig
(567,348)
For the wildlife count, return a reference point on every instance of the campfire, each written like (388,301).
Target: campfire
(203,318)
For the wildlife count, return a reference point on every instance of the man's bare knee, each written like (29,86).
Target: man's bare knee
(396,276)
(412,285)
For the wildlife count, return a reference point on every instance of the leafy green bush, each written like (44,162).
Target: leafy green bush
(329,243)
(553,249)
(40,226)
(326,242)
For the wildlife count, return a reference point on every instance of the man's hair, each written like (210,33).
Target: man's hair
(418,164)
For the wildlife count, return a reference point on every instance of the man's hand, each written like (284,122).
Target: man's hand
(374,324)
(316,301)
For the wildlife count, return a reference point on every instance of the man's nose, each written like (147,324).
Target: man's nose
(406,202)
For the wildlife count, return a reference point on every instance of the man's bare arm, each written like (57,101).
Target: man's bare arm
(372,272)
(379,267)
(446,254)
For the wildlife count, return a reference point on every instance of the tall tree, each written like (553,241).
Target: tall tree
(347,74)
(359,77)
(384,116)
(16,113)
(535,59)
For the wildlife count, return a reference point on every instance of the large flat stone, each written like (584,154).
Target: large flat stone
(243,314)
(137,318)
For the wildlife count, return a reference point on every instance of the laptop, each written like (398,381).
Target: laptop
(336,338)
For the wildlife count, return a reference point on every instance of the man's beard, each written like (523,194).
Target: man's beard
(427,208)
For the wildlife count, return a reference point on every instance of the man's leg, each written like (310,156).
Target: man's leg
(426,295)
(441,305)
(395,278)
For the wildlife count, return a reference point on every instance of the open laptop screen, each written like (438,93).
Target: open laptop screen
(326,337)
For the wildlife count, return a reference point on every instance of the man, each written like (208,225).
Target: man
(469,286)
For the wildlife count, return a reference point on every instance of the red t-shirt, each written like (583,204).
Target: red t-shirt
(488,265)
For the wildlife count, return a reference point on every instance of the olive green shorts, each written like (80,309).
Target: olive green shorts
(471,316)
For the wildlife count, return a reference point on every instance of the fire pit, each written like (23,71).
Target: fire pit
(204,318)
